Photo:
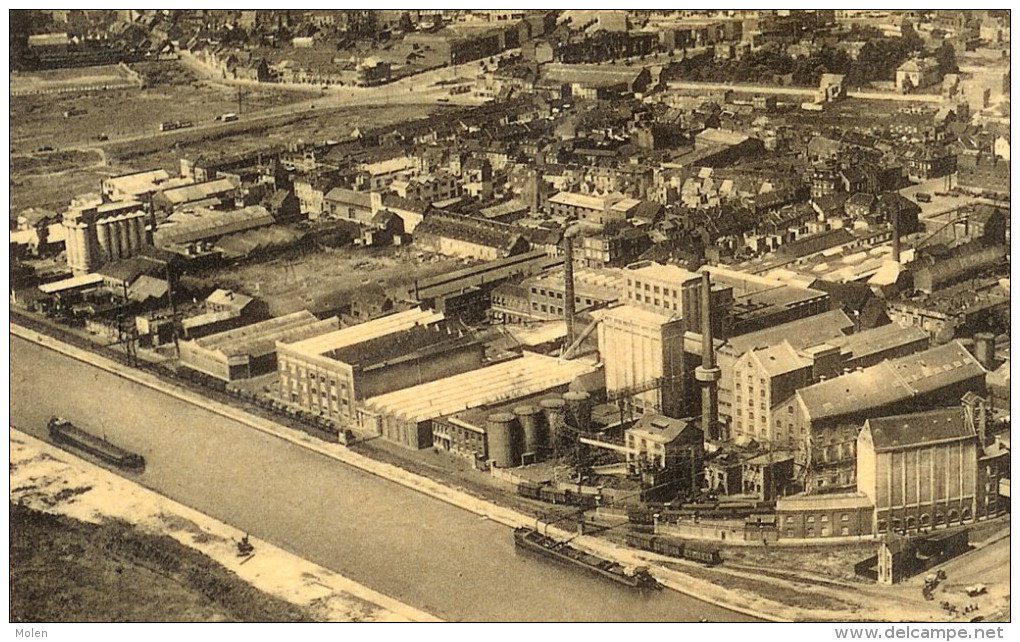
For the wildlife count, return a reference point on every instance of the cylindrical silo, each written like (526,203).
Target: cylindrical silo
(86,253)
(578,410)
(105,243)
(502,436)
(553,409)
(138,227)
(532,426)
(124,230)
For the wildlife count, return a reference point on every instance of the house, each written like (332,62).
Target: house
(467,237)
(860,206)
(895,209)
(283,205)
(917,73)
(661,441)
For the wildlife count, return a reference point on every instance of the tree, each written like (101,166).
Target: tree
(946,57)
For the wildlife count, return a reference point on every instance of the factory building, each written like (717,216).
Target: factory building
(824,516)
(674,292)
(643,352)
(541,298)
(762,378)
(504,435)
(800,334)
(919,470)
(250,350)
(871,347)
(99,232)
(827,417)
(406,417)
(466,293)
(331,372)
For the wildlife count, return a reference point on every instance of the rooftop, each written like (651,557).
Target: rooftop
(921,428)
(880,339)
(84,280)
(714,136)
(780,359)
(891,381)
(393,165)
(800,334)
(367,331)
(229,299)
(188,228)
(822,502)
(198,191)
(660,272)
(260,338)
(585,201)
(528,375)
(138,182)
(661,429)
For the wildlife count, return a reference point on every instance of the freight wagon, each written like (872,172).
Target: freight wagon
(673,547)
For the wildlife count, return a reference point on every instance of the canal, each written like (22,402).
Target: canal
(419,550)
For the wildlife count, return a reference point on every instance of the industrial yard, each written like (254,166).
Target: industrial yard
(700,300)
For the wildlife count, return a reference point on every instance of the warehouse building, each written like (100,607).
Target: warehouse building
(202,225)
(800,334)
(406,416)
(250,350)
(331,372)
(919,470)
(827,417)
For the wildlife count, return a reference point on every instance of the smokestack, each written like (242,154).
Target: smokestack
(896,235)
(984,350)
(707,373)
(568,283)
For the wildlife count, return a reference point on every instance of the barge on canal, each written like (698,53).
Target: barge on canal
(65,433)
(531,540)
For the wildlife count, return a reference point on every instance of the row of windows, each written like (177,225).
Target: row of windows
(653,301)
(654,289)
(810,532)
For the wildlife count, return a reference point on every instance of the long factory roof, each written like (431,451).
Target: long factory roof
(366,331)
(528,375)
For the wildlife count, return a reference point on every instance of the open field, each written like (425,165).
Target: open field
(39,120)
(322,281)
(311,126)
(50,178)
(68,79)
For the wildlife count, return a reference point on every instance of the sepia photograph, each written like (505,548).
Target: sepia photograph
(673,316)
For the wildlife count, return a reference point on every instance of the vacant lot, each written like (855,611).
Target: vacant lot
(322,281)
(68,79)
(174,95)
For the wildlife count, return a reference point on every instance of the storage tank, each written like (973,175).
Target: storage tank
(578,410)
(553,410)
(502,435)
(532,426)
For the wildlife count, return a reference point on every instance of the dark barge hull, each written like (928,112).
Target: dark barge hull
(531,540)
(65,433)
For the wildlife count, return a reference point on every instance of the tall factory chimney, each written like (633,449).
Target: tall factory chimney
(708,373)
(895,235)
(568,283)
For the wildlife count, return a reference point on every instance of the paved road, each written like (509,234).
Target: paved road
(421,551)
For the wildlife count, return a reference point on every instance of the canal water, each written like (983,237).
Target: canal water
(419,550)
